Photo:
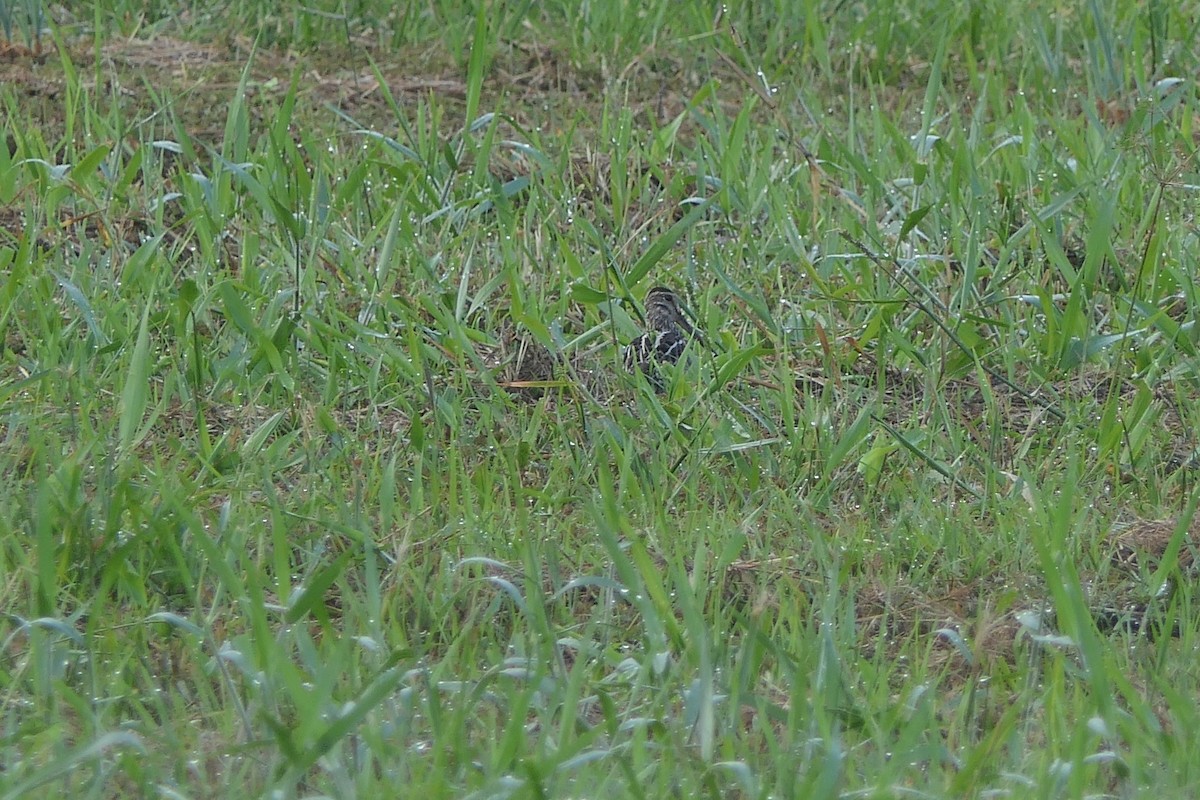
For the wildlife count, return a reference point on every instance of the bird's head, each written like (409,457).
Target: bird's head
(664,311)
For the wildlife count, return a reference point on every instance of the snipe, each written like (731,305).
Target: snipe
(1142,544)
(1137,548)
(665,340)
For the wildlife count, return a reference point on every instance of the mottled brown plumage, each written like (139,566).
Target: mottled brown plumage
(667,338)
(1142,543)
(664,312)
(1137,549)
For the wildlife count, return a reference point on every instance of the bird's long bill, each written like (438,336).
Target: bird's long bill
(686,320)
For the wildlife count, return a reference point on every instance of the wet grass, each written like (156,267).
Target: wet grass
(279,514)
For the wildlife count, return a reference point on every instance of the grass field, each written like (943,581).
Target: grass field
(321,473)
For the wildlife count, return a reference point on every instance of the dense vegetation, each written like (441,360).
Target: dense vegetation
(321,472)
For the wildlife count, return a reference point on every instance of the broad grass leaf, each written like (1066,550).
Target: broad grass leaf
(313,594)
(136,391)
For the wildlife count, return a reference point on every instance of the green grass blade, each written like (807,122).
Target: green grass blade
(136,392)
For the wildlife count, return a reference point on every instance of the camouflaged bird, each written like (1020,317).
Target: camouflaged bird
(1140,545)
(666,338)
(1137,548)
